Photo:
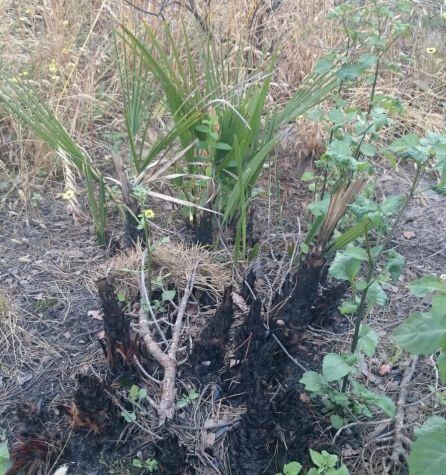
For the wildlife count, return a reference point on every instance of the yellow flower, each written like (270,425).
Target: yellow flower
(431,50)
(148,214)
(444,15)
(68,195)
(53,67)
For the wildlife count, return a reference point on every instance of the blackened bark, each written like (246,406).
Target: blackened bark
(204,234)
(209,352)
(301,292)
(119,346)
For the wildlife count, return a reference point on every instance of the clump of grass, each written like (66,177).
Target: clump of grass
(213,274)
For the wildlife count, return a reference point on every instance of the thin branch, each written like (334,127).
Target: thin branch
(146,299)
(166,407)
(168,360)
(143,371)
(358,423)
(147,12)
(302,367)
(398,449)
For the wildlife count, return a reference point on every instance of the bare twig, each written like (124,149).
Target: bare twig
(146,298)
(143,371)
(159,13)
(358,423)
(398,448)
(291,357)
(168,359)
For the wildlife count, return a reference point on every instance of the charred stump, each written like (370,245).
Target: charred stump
(171,456)
(118,343)
(300,293)
(32,449)
(209,352)
(204,232)
(247,290)
(92,407)
(277,421)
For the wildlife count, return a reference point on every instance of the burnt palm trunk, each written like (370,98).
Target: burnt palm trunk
(301,292)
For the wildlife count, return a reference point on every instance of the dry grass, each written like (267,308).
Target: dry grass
(67,51)
(174,262)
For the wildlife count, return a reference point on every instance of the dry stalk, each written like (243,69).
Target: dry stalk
(337,209)
(398,450)
(167,359)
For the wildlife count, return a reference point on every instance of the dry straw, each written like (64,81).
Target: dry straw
(173,261)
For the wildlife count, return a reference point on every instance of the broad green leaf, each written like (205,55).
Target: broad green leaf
(324,65)
(305,248)
(375,251)
(137,463)
(313,382)
(341,149)
(368,60)
(376,295)
(392,204)
(340,399)
(344,267)
(439,305)
(395,264)
(368,339)
(357,253)
(439,148)
(428,455)
(183,402)
(337,421)
(336,116)
(168,295)
(202,128)
(323,459)
(307,176)
(421,333)
(319,208)
(142,394)
(347,308)
(433,423)
(427,285)
(292,468)
(405,143)
(368,149)
(349,72)
(134,391)
(381,401)
(441,363)
(316,114)
(334,367)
